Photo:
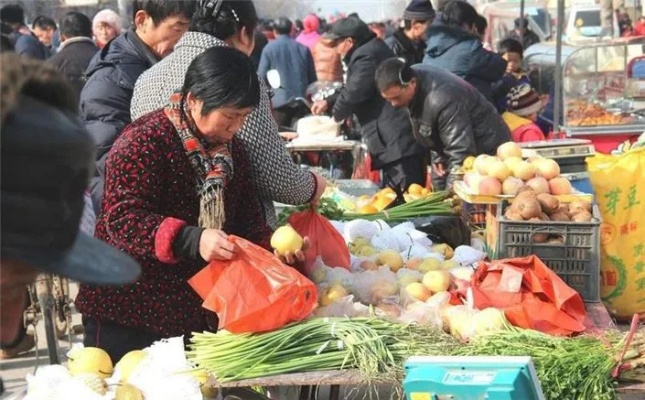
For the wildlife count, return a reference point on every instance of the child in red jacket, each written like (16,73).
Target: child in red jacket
(523,107)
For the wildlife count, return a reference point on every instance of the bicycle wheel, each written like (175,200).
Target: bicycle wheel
(47,304)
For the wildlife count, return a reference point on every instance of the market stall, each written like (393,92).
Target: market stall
(603,90)
(385,280)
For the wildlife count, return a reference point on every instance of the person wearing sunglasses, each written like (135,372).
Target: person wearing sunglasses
(448,114)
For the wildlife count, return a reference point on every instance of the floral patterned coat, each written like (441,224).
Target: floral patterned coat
(150,196)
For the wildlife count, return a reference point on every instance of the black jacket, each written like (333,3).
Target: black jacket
(462,53)
(453,118)
(105,99)
(387,130)
(402,46)
(73,59)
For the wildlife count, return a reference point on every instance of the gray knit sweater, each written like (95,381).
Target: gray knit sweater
(277,177)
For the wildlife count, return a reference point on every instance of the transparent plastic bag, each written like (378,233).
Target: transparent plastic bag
(376,286)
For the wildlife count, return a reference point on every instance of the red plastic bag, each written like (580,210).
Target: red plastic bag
(531,295)
(325,241)
(255,292)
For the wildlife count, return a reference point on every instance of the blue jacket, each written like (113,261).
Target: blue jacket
(105,99)
(30,46)
(462,53)
(294,63)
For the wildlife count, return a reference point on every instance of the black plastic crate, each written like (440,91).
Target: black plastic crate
(576,260)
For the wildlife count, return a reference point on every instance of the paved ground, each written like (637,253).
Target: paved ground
(14,371)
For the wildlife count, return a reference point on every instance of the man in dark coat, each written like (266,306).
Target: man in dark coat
(77,49)
(105,99)
(408,42)
(24,42)
(454,46)
(386,130)
(292,60)
(449,115)
(523,34)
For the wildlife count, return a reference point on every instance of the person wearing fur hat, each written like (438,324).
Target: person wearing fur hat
(408,42)
(523,106)
(106,25)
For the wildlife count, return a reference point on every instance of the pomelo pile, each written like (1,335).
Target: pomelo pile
(507,173)
(159,371)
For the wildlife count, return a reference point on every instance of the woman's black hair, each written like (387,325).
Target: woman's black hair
(510,46)
(222,77)
(481,24)
(224,18)
(458,13)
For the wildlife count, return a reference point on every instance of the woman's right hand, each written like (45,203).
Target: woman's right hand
(214,245)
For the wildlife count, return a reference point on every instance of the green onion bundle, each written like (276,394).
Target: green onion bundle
(435,204)
(568,368)
(376,347)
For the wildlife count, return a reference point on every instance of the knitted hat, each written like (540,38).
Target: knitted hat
(523,101)
(311,23)
(419,10)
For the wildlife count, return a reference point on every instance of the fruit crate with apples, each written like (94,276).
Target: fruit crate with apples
(570,249)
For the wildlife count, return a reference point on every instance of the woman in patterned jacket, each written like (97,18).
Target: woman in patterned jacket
(178,181)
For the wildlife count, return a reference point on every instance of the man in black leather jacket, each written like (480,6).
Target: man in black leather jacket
(408,42)
(386,130)
(449,115)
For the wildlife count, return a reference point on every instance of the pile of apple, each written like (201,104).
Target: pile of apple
(507,173)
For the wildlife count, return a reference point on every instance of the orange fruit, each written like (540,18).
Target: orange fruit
(382,202)
(415,188)
(367,209)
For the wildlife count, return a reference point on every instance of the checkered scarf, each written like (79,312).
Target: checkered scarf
(213,164)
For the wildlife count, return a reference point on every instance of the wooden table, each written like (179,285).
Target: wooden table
(309,382)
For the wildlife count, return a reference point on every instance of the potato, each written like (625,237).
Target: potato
(528,208)
(556,240)
(539,237)
(560,216)
(548,202)
(544,217)
(582,216)
(513,215)
(578,206)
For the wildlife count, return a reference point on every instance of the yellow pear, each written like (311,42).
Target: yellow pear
(285,240)
(90,360)
(332,294)
(418,291)
(429,264)
(125,391)
(436,281)
(392,258)
(208,391)
(129,362)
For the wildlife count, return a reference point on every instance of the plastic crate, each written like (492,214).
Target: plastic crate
(474,215)
(576,260)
